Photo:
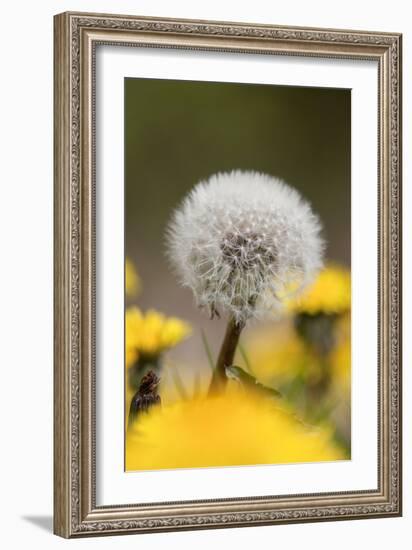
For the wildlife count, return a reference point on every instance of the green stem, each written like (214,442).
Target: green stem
(226,355)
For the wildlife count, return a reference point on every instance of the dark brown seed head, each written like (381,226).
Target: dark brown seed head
(149,383)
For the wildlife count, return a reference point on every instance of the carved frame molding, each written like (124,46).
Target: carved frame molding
(76,37)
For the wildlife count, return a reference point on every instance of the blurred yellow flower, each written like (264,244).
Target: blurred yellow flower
(131,353)
(237,427)
(276,353)
(330,293)
(132,279)
(278,356)
(152,333)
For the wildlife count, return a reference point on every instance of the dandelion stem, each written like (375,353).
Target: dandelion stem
(226,355)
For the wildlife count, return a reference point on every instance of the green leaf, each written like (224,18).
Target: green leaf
(248,381)
(245,358)
(208,350)
(179,384)
(197,385)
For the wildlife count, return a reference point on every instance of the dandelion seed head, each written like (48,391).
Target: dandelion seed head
(240,240)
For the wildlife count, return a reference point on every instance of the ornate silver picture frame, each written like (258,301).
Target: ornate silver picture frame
(76,510)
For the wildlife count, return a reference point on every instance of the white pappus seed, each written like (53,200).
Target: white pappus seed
(241,240)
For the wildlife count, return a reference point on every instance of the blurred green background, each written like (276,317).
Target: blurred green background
(179,132)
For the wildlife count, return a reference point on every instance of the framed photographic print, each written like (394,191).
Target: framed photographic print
(227,274)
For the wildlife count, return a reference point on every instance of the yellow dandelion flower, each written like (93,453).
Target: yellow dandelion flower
(278,356)
(276,353)
(234,428)
(152,333)
(330,293)
(132,279)
(131,353)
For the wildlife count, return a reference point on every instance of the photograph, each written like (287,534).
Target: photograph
(237,296)
(203,216)
(227,274)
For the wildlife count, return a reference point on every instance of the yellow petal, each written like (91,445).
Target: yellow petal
(329,293)
(234,428)
(132,279)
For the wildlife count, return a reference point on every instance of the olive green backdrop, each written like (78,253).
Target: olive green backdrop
(179,132)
